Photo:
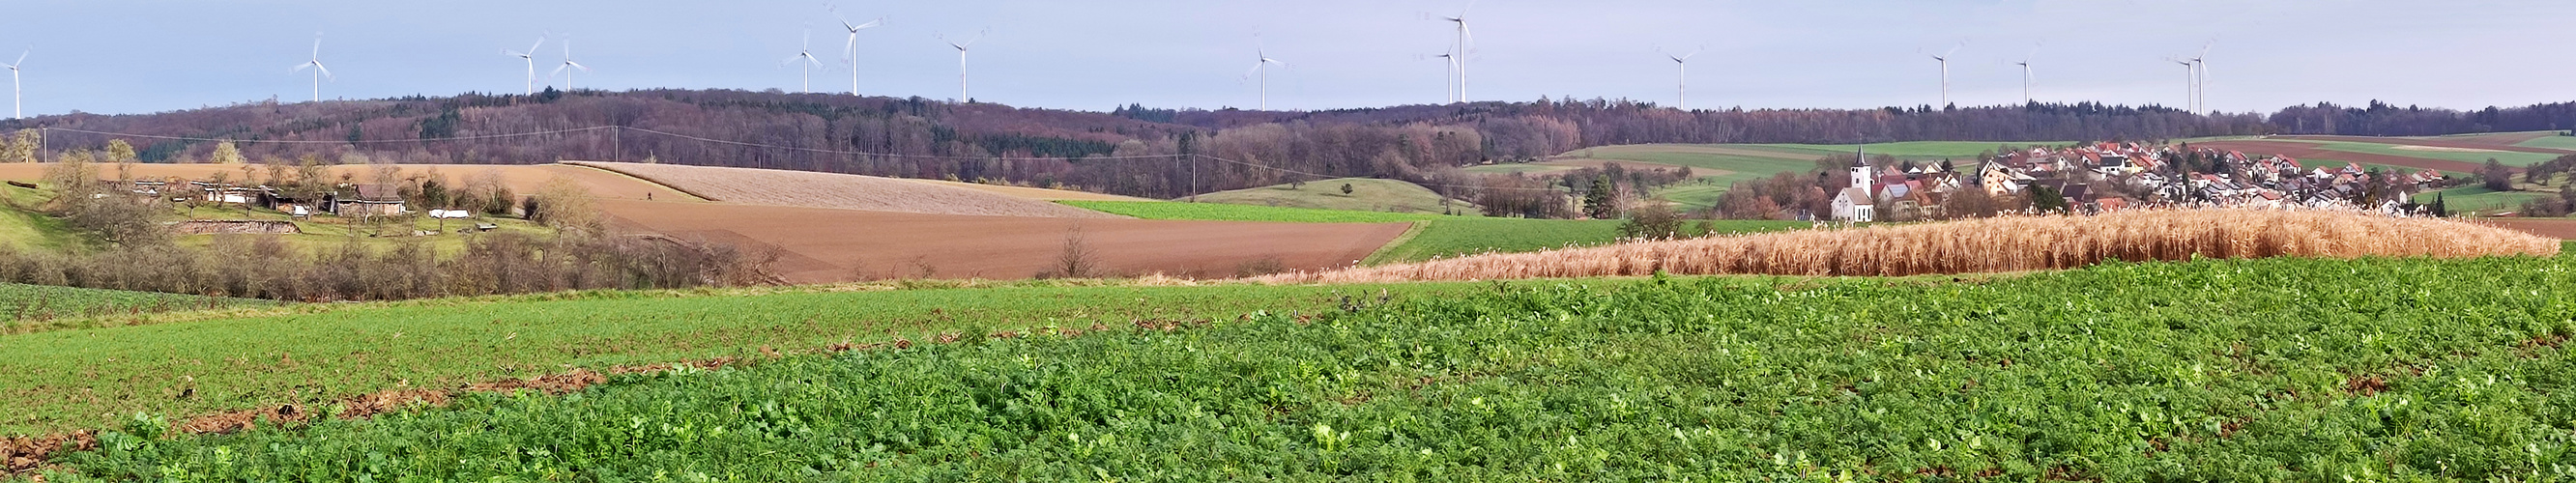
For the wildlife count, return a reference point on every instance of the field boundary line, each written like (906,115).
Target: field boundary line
(1383,251)
(638,177)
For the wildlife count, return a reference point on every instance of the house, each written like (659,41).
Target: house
(367,200)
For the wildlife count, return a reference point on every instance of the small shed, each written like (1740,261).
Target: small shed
(368,200)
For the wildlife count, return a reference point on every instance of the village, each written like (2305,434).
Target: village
(2110,176)
(349,200)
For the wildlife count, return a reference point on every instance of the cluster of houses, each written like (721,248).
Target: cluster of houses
(348,200)
(2149,176)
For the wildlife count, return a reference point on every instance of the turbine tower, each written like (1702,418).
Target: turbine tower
(850,53)
(568,65)
(1448,77)
(1684,62)
(1262,68)
(806,55)
(964,93)
(319,71)
(2025,80)
(2190,83)
(1944,58)
(18,100)
(1463,38)
(530,56)
(2200,79)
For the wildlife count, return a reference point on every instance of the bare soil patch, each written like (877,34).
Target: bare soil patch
(2560,228)
(831,245)
(841,191)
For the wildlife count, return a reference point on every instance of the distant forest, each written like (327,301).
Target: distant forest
(1135,150)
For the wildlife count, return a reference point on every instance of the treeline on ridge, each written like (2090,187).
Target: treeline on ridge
(1134,150)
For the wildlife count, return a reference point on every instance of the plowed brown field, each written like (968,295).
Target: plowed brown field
(2304,151)
(2563,229)
(844,191)
(827,245)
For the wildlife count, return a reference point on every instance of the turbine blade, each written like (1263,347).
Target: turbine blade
(541,41)
(22,58)
(326,71)
(298,67)
(558,71)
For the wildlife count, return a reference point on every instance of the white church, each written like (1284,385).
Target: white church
(1856,204)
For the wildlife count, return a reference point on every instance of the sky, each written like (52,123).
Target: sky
(126,56)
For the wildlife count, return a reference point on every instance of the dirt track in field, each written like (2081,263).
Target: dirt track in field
(828,245)
(2493,142)
(2564,229)
(2304,152)
(841,191)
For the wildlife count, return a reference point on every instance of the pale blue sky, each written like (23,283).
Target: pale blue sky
(121,56)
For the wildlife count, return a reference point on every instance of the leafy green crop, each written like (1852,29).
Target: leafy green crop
(2275,369)
(21,302)
(64,380)
(1469,236)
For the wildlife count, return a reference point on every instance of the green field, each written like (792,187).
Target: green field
(1469,236)
(88,377)
(1169,210)
(1367,194)
(2271,370)
(35,307)
(2552,142)
(1524,168)
(1914,150)
(2474,199)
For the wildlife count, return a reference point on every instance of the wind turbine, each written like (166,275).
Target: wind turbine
(1944,58)
(851,53)
(1262,68)
(1463,38)
(18,107)
(531,56)
(964,94)
(2025,72)
(568,65)
(1684,62)
(1448,77)
(806,55)
(2190,83)
(2200,78)
(318,70)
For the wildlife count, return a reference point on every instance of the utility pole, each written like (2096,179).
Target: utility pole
(617,143)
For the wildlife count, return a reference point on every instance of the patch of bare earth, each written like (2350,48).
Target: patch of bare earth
(831,245)
(841,191)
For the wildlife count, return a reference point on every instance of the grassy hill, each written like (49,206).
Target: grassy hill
(2214,370)
(1382,195)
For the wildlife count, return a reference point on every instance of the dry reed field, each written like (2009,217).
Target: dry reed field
(2005,244)
(840,191)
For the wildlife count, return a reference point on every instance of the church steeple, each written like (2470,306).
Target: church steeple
(1860,172)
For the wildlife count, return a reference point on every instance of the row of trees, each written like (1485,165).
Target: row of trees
(134,249)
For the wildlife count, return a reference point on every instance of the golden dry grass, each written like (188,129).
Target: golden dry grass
(2008,244)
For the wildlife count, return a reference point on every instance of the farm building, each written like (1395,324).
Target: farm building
(367,200)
